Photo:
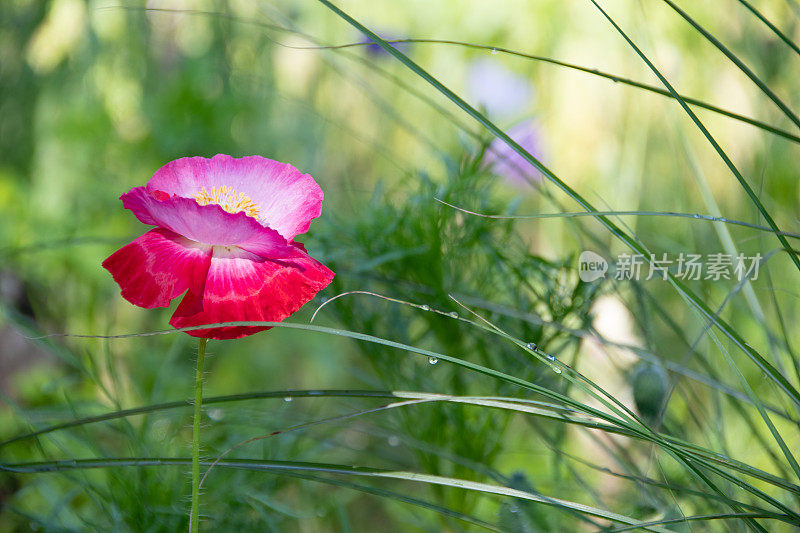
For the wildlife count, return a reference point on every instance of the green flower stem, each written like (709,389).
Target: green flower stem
(194,521)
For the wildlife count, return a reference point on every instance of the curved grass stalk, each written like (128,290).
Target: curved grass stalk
(124,413)
(573,214)
(656,483)
(250,464)
(421,351)
(296,466)
(644,354)
(685,451)
(581,334)
(532,407)
(674,367)
(696,518)
(489,48)
(444,511)
(626,416)
(588,70)
(581,381)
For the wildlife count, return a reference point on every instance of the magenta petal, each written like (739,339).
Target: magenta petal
(242,286)
(287,199)
(158,267)
(208,224)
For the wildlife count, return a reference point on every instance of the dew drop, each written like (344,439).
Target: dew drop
(531,346)
(425,308)
(287,399)
(453,315)
(216,414)
(494,51)
(433,360)
(556,369)
(394,440)
(550,357)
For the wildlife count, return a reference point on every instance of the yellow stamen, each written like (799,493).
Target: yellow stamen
(228,199)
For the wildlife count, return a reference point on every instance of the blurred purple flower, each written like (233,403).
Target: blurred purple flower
(503,161)
(502,92)
(375,49)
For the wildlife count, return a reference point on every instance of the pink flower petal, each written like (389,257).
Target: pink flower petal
(207,224)
(243,286)
(159,266)
(287,199)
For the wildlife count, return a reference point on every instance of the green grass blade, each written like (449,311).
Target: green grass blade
(252,464)
(771,26)
(738,62)
(495,50)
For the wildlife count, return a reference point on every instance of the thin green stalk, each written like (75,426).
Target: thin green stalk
(771,26)
(736,61)
(588,70)
(206,401)
(295,466)
(194,522)
(574,214)
(494,49)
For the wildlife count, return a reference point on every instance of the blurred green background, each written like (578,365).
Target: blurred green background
(96,96)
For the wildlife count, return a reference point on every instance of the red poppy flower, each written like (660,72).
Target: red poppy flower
(225,237)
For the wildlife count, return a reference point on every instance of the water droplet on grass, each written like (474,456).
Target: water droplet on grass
(287,399)
(394,440)
(531,346)
(494,51)
(453,315)
(425,308)
(433,360)
(550,357)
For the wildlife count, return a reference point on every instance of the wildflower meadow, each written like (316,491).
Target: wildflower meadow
(436,266)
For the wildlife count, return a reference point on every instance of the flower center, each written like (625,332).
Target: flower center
(228,199)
